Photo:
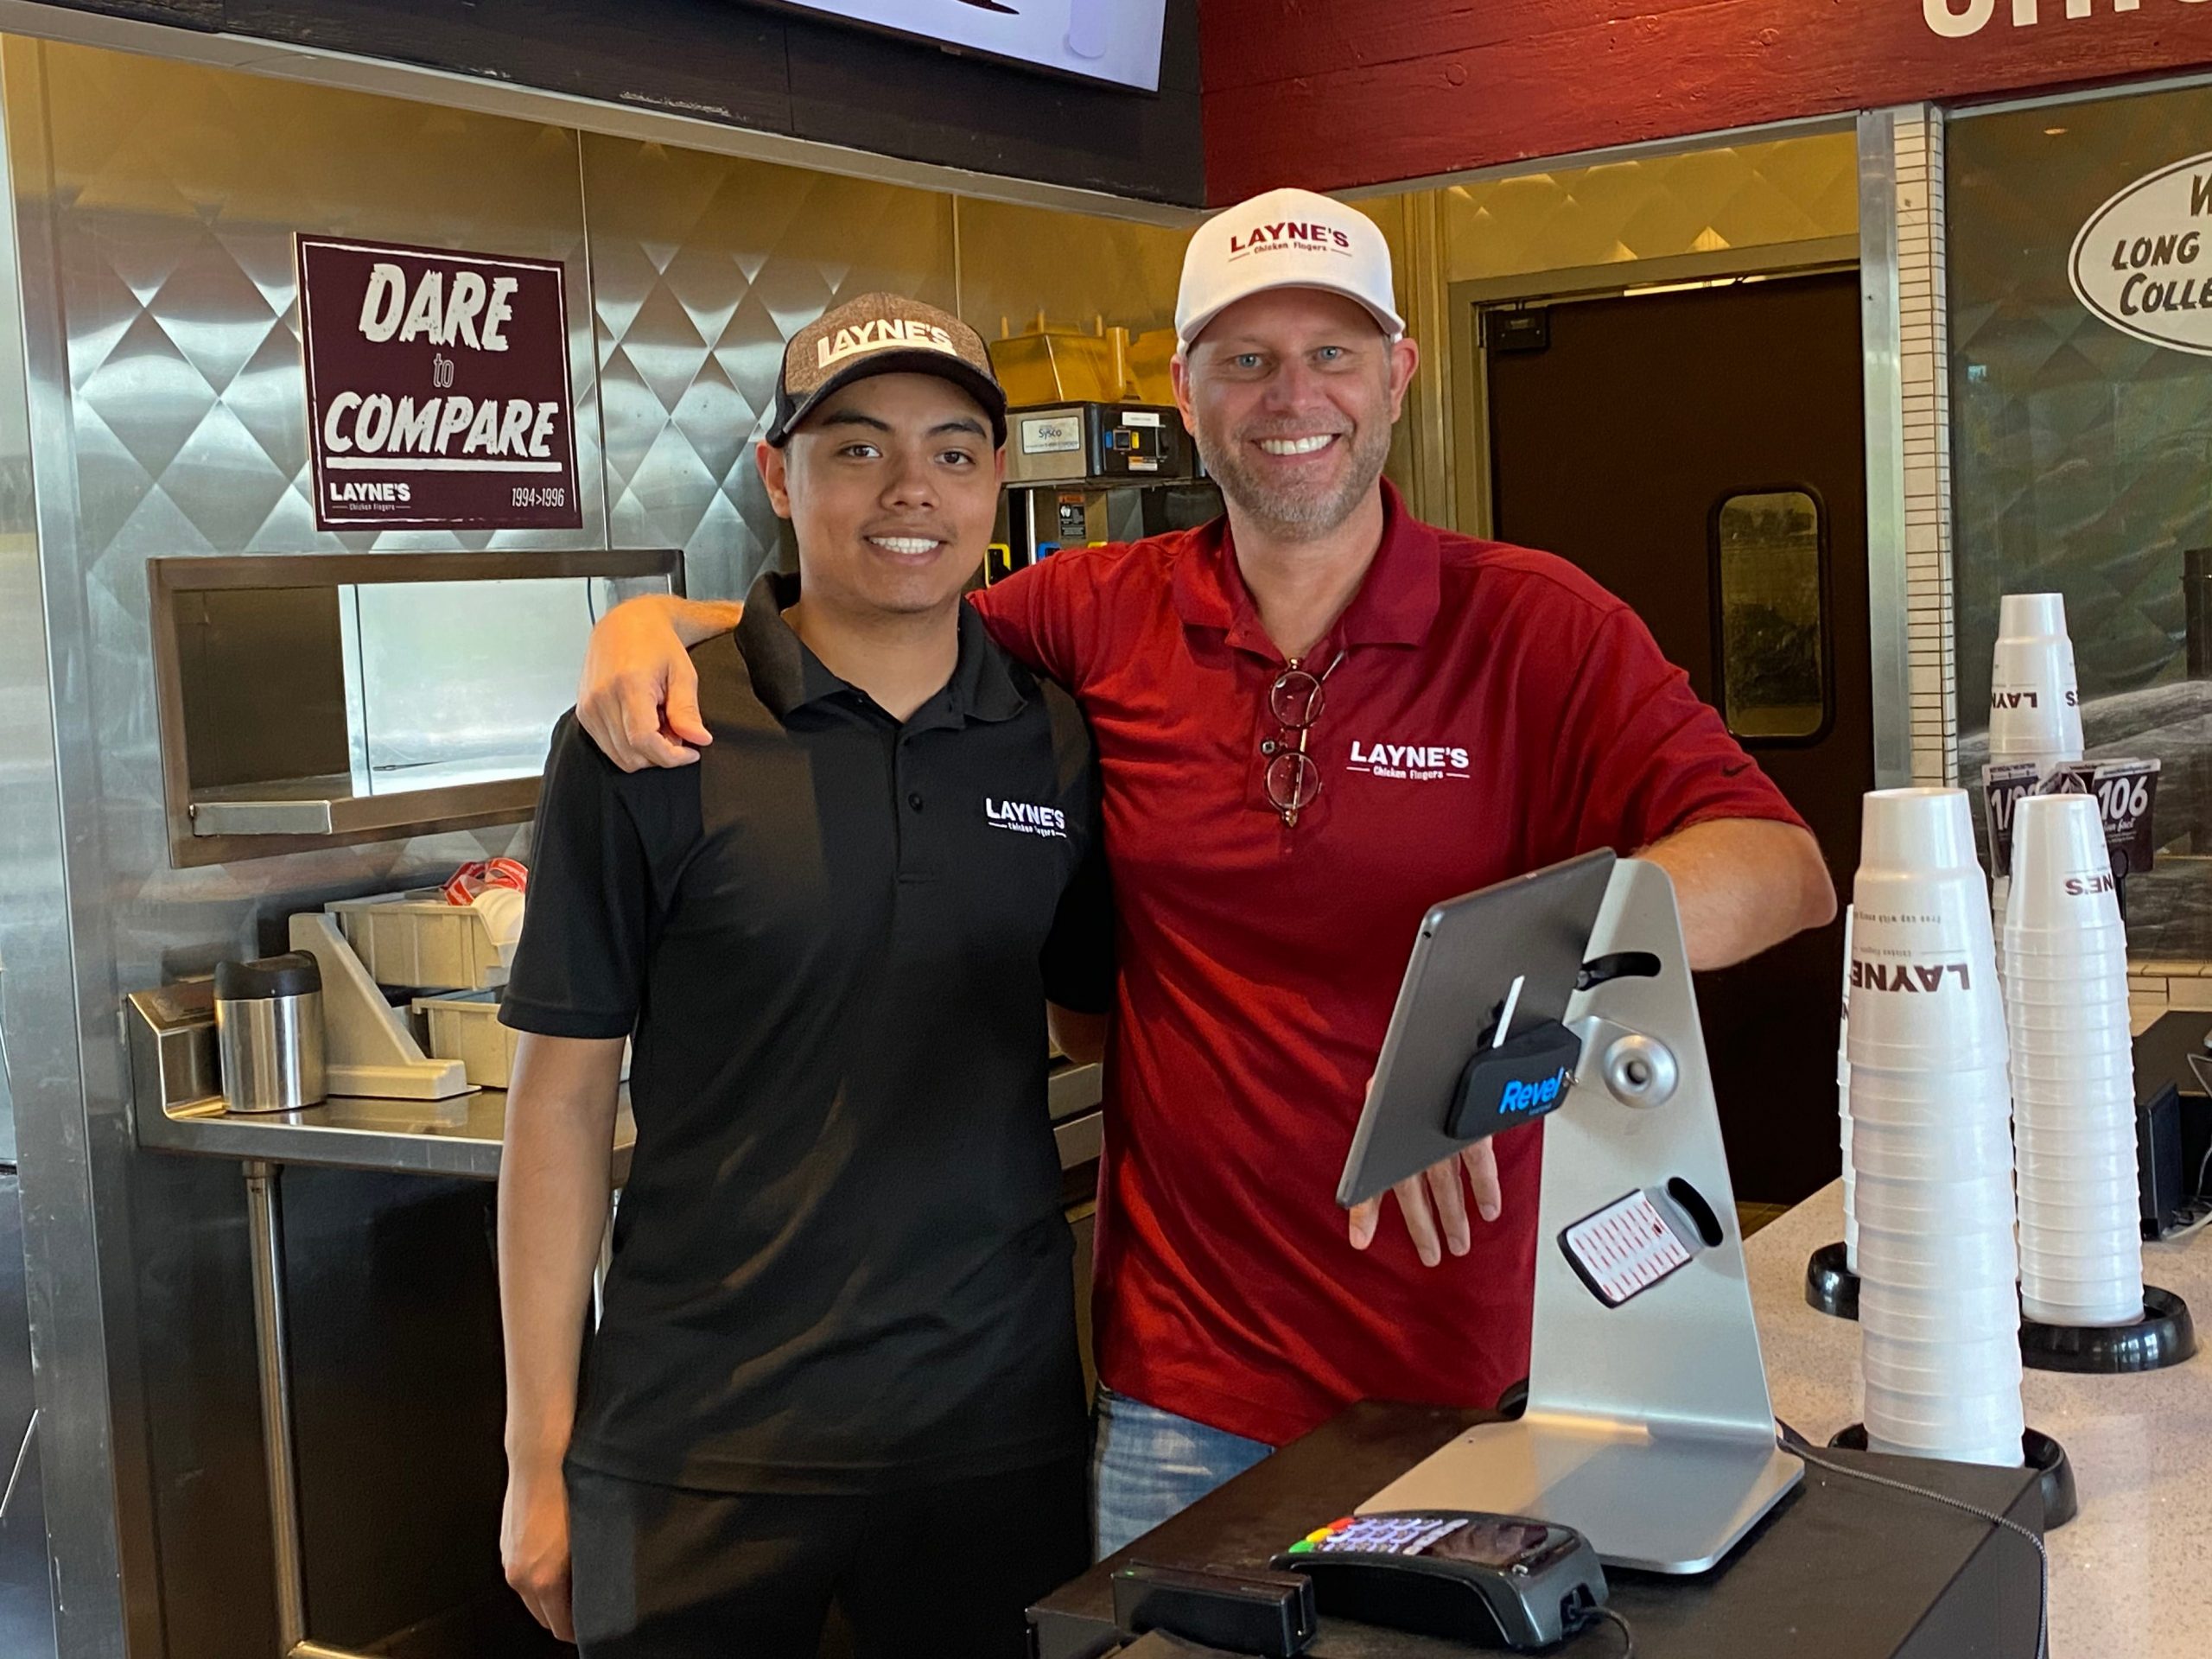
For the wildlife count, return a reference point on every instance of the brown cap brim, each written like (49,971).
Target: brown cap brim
(944,366)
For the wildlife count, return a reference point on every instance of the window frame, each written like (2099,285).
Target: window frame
(1717,586)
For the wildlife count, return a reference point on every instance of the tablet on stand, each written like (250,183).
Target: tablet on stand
(1565,997)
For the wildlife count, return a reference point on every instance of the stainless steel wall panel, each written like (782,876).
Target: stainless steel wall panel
(156,205)
(703,267)
(161,374)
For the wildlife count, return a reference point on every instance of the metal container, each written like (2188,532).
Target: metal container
(269,1032)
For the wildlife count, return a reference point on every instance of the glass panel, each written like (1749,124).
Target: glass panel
(1771,682)
(462,681)
(2079,459)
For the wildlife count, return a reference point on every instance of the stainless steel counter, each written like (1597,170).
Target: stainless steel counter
(178,1107)
(460,1136)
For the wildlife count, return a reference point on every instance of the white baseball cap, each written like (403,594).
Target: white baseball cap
(1286,238)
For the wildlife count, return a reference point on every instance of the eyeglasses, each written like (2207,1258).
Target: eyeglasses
(1293,778)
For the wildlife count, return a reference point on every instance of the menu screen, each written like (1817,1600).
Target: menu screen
(1116,41)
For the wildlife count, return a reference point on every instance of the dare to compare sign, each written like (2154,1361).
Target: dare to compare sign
(437,389)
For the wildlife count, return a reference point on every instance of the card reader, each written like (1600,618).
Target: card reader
(1467,1577)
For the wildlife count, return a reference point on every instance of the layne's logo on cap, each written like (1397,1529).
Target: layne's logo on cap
(1286,238)
(882,334)
(879,335)
(1268,238)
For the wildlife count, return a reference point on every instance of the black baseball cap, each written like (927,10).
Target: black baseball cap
(882,334)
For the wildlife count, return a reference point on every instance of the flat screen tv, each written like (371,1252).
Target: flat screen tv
(1116,41)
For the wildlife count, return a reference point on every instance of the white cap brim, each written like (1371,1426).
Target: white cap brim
(1391,323)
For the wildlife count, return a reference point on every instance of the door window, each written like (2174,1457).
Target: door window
(1769,583)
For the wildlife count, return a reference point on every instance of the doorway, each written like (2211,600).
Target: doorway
(1700,451)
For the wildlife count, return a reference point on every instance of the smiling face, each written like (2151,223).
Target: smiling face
(893,487)
(1291,396)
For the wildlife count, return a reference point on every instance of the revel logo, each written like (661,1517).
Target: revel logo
(1289,234)
(1025,818)
(1542,1091)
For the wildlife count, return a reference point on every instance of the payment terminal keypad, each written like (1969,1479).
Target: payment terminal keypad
(1380,1534)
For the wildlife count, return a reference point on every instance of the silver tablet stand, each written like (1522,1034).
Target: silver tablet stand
(1648,1428)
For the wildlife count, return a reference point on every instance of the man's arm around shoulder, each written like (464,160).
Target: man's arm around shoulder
(1744,885)
(639,694)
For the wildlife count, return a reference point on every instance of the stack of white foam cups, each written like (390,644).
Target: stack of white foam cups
(1931,1140)
(2073,1069)
(2035,702)
(1843,1108)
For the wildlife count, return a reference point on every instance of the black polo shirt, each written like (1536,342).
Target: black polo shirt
(841,1262)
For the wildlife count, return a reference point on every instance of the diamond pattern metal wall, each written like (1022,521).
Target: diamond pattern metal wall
(1016,262)
(1746,195)
(158,203)
(2079,453)
(703,267)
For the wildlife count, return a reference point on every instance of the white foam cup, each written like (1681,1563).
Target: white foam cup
(2072,1143)
(2072,963)
(1924,986)
(1934,1419)
(1919,1315)
(2093,940)
(2094,1314)
(1999,1453)
(1975,1405)
(1948,1151)
(2054,1267)
(1962,1199)
(2034,703)
(2112,1295)
(1904,1108)
(2027,712)
(2051,1177)
(1933,1367)
(2094,1224)
(2062,872)
(2077,1116)
(1916,1259)
(2053,1026)
(2053,1083)
(1918,1083)
(2031,615)
(2087,1012)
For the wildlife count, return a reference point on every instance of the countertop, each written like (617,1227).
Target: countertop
(2132,1573)
(460,1136)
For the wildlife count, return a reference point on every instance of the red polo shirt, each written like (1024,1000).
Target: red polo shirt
(1259,963)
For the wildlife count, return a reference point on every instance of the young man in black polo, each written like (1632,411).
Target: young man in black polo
(837,1360)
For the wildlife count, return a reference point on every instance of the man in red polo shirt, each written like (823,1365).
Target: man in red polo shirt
(1314,719)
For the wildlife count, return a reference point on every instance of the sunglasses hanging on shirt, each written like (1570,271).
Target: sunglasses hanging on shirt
(1292,778)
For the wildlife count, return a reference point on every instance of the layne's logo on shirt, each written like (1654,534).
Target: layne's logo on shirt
(1025,818)
(881,336)
(1421,762)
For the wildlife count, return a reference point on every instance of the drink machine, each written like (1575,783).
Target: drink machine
(1081,474)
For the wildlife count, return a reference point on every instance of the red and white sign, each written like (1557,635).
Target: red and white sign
(1373,92)
(437,389)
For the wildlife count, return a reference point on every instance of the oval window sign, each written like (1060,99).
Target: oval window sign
(2144,260)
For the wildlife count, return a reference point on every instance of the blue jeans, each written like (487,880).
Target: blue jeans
(1147,1464)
